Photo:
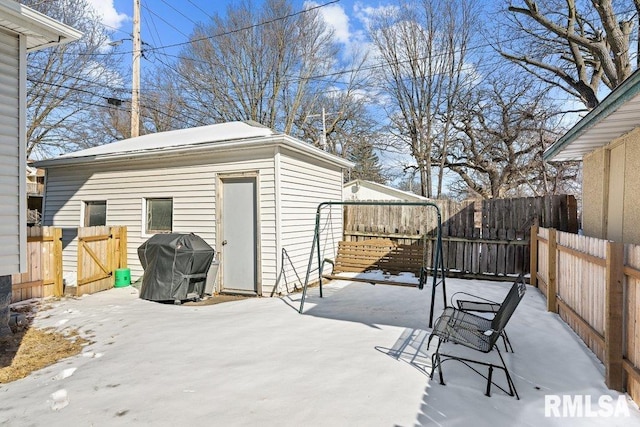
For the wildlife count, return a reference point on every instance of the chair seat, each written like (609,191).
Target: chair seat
(464,328)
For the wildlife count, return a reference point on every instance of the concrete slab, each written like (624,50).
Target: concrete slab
(357,357)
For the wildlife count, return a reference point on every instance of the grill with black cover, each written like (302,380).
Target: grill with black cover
(175,267)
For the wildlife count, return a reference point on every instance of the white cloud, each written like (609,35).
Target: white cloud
(352,38)
(108,12)
(365,14)
(335,16)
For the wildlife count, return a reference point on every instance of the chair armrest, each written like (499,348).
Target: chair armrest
(328,261)
(454,299)
(478,306)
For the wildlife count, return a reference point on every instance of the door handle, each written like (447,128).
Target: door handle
(224,242)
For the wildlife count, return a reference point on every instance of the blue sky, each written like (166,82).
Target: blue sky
(169,22)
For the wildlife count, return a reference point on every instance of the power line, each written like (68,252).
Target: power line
(237,30)
(109,106)
(382,64)
(177,10)
(165,21)
(92,82)
(249,27)
(201,9)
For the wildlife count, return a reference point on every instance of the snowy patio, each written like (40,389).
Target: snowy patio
(357,356)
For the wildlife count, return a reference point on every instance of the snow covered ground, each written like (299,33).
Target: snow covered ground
(357,357)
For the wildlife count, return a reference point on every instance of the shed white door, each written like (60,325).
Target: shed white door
(238,234)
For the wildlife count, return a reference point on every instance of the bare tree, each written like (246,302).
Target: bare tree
(342,113)
(423,45)
(572,45)
(503,130)
(257,63)
(67,84)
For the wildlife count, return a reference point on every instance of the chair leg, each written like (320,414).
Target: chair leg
(512,386)
(436,362)
(507,343)
(489,380)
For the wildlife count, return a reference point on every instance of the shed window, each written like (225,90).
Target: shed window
(95,213)
(159,215)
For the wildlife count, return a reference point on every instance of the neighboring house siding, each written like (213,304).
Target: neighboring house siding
(10,154)
(593,194)
(632,189)
(303,186)
(599,194)
(190,182)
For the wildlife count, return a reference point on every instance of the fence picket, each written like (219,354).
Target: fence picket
(490,238)
(598,297)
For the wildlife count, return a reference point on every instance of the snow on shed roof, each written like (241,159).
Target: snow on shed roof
(391,191)
(229,135)
(176,138)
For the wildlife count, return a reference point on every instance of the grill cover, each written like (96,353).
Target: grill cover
(175,267)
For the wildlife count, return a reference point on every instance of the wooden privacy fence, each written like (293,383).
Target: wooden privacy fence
(488,238)
(101,250)
(594,286)
(43,277)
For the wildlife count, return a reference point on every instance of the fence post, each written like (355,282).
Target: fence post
(552,304)
(533,256)
(58,285)
(123,247)
(613,326)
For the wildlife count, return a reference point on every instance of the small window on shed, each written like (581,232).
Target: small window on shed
(95,213)
(159,215)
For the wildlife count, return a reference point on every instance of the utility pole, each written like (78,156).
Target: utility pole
(323,138)
(135,84)
(324,132)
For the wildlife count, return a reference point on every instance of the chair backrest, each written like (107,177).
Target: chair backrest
(508,306)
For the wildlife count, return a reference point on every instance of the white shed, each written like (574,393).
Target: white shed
(248,191)
(368,190)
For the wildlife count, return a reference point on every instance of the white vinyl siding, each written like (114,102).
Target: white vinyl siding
(191,183)
(11,156)
(303,186)
(286,206)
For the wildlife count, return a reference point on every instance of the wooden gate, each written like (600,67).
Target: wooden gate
(101,250)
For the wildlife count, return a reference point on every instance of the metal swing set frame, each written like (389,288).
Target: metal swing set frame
(437,269)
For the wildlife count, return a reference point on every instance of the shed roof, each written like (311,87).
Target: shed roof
(40,30)
(616,115)
(231,135)
(404,195)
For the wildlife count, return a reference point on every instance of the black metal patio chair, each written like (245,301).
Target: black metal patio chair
(477,333)
(481,305)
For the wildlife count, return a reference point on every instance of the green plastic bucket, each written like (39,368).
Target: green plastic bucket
(123,277)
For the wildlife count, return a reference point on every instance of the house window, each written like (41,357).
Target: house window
(95,213)
(159,215)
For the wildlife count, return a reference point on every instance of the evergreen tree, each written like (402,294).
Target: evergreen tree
(367,163)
